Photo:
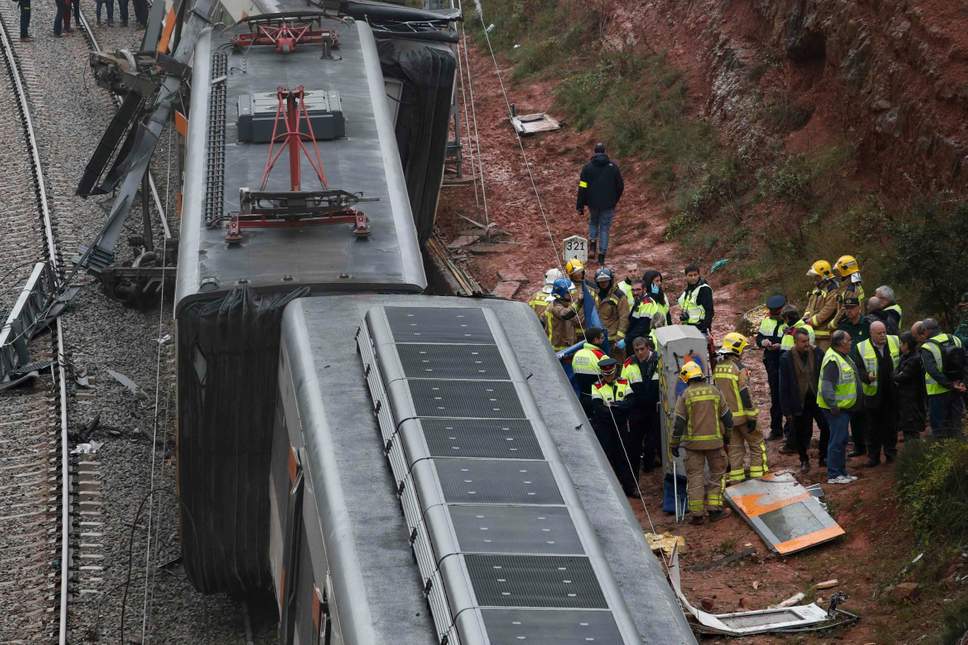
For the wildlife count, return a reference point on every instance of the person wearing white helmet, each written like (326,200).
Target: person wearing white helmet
(541,298)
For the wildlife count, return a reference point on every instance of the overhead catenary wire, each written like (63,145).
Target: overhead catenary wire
(558,256)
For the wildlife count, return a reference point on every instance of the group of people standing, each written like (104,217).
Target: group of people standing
(66,9)
(846,365)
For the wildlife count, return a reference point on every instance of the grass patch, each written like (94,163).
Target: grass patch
(932,481)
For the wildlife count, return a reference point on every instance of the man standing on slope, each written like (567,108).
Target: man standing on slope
(599,188)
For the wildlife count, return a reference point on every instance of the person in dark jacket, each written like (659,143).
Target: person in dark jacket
(600,187)
(769,338)
(799,376)
(912,401)
(696,301)
(640,370)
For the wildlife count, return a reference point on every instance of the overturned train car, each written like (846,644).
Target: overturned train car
(396,467)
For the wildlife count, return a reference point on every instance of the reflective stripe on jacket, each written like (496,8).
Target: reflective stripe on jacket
(933,345)
(730,380)
(688,303)
(789,338)
(845,389)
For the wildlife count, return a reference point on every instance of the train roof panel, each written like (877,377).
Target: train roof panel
(322,256)
(588,519)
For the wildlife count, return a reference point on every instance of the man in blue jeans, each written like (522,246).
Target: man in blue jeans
(599,188)
(839,395)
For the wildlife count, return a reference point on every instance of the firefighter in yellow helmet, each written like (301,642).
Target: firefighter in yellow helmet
(575,271)
(732,380)
(851,285)
(702,420)
(821,306)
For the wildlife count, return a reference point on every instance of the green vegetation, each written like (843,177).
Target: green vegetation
(932,483)
(771,212)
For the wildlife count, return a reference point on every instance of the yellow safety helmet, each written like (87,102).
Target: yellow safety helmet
(734,343)
(847,265)
(574,265)
(690,371)
(821,269)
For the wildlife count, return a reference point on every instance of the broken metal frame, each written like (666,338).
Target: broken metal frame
(799,618)
(174,71)
(39,302)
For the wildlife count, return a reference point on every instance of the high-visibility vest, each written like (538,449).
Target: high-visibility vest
(611,392)
(648,308)
(632,373)
(933,345)
(896,308)
(586,360)
(789,338)
(869,355)
(845,391)
(773,329)
(626,287)
(726,375)
(702,395)
(693,310)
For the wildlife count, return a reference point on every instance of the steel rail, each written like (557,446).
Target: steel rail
(91,38)
(52,253)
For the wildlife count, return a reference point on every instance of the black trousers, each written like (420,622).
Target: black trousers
(776,412)
(644,433)
(24,18)
(615,445)
(882,429)
(803,428)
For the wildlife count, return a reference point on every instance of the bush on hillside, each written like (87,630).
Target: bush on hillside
(930,245)
(932,481)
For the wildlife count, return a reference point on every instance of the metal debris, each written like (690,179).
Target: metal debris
(784,513)
(127,382)
(526,124)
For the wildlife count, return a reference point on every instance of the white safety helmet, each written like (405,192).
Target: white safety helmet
(550,276)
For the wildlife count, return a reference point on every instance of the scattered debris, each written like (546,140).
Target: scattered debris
(792,600)
(718,264)
(462,240)
(128,383)
(756,585)
(783,513)
(666,542)
(827,584)
(526,124)
(796,618)
(88,448)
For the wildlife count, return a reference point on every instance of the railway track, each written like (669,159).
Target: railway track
(35,503)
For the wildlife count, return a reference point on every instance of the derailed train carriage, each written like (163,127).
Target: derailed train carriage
(396,467)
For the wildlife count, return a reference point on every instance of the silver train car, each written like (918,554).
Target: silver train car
(395,467)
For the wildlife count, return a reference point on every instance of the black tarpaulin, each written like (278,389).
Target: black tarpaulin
(228,351)
(427,72)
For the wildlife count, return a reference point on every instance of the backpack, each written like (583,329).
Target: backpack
(954,363)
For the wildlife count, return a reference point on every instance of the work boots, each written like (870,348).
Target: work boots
(592,247)
(601,259)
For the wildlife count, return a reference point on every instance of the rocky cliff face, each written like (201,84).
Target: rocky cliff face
(888,78)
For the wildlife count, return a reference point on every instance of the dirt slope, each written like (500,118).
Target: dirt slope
(877,544)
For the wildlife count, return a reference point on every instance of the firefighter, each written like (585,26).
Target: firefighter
(850,286)
(561,316)
(613,309)
(584,365)
(732,380)
(542,298)
(642,373)
(702,419)
(575,271)
(770,339)
(822,303)
(610,399)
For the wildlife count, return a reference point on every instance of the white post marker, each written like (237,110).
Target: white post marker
(576,247)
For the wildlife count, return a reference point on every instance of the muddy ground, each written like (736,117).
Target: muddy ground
(877,545)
